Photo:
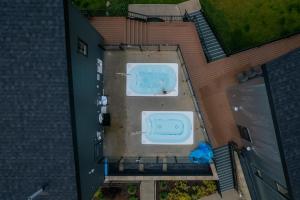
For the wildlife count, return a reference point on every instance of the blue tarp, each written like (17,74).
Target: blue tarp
(202,154)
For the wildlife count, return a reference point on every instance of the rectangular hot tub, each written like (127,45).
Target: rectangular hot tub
(152,79)
(167,127)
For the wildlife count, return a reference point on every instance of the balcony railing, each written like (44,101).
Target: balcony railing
(132,15)
(92,13)
(155,18)
(154,166)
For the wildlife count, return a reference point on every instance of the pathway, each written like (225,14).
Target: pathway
(147,190)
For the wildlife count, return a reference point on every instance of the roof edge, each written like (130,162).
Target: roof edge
(71,95)
(277,132)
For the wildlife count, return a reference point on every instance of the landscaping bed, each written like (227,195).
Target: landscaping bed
(184,190)
(240,25)
(118,192)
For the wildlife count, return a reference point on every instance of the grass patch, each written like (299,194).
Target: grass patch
(118,7)
(246,24)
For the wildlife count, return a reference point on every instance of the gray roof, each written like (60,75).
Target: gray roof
(282,77)
(35,117)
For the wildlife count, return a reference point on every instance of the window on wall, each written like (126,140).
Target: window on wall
(267,180)
(82,47)
(244,133)
(282,190)
(258,173)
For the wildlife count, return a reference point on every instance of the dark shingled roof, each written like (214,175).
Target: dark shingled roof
(282,77)
(35,121)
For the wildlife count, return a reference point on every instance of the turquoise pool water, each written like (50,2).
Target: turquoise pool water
(149,79)
(167,128)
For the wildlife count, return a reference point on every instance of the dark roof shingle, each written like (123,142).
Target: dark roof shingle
(35,121)
(282,77)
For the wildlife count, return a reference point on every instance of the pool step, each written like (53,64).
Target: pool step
(136,32)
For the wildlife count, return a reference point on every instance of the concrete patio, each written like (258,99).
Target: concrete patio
(123,137)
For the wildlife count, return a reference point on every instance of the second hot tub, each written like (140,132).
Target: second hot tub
(167,127)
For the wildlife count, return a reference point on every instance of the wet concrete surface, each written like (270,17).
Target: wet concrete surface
(123,137)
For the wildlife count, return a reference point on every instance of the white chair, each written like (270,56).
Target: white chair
(103,109)
(99,66)
(100,118)
(102,100)
(99,136)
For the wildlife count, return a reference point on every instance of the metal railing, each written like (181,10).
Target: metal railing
(194,97)
(154,166)
(138,16)
(155,18)
(232,149)
(151,159)
(92,13)
(142,47)
(215,32)
(248,173)
(219,188)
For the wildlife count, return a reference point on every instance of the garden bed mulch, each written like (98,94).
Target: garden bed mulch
(118,192)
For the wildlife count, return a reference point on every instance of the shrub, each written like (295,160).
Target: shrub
(205,189)
(179,196)
(163,196)
(98,195)
(132,189)
(210,186)
(163,185)
(183,190)
(194,197)
(180,191)
(133,198)
(182,186)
